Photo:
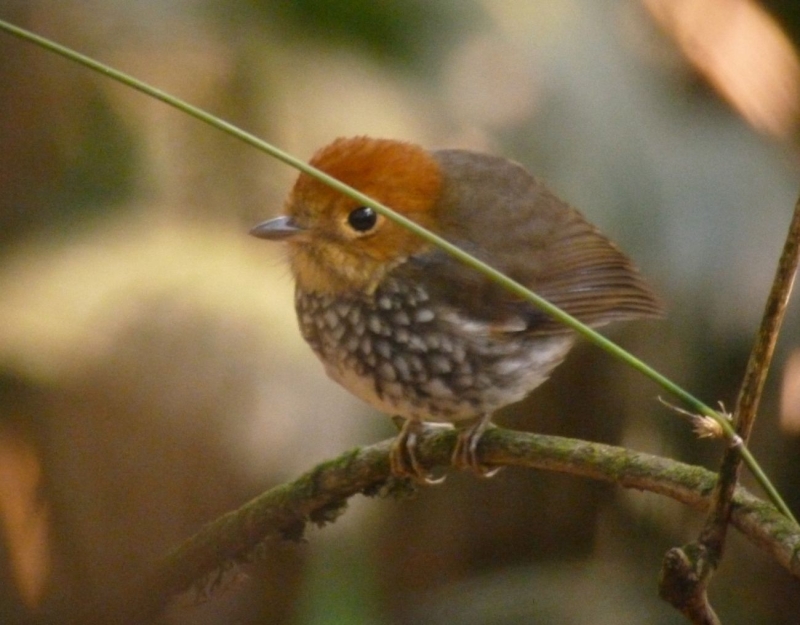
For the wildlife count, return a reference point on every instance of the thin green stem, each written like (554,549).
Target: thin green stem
(493,274)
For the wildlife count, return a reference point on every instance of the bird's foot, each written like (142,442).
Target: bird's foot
(403,460)
(465,454)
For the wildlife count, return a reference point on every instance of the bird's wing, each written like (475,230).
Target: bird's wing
(499,212)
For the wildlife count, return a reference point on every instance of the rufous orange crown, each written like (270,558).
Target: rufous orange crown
(333,256)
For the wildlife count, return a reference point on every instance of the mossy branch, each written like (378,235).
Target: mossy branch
(321,494)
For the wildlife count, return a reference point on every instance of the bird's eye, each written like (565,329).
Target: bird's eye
(362,219)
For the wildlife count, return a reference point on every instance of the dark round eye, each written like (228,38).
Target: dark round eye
(362,219)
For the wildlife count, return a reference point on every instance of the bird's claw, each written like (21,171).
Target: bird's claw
(403,461)
(465,454)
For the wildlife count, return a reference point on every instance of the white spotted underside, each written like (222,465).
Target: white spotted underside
(402,355)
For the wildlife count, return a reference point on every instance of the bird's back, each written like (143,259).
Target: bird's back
(500,213)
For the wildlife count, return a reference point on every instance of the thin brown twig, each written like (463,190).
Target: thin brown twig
(688,570)
(713,534)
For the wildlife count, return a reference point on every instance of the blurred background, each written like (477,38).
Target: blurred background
(151,373)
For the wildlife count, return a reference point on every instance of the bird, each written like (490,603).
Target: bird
(412,331)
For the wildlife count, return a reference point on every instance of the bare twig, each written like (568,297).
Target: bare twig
(688,570)
(321,494)
(713,535)
(683,570)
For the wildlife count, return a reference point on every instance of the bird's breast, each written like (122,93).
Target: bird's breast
(401,351)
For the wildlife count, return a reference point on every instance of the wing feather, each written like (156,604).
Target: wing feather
(497,211)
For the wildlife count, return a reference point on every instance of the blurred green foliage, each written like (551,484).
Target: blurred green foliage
(787,13)
(407,34)
(102,165)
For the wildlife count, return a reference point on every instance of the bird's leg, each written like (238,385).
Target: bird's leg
(465,454)
(403,460)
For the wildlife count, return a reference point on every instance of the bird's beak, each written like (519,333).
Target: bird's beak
(277,229)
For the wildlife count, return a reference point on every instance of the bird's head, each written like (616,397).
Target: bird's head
(337,245)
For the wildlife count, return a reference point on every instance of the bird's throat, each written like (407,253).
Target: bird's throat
(331,269)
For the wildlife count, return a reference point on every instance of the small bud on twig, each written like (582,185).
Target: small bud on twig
(703,425)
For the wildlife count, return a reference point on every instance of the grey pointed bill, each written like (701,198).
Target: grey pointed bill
(277,229)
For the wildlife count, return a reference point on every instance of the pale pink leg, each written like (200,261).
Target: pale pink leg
(465,454)
(403,460)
